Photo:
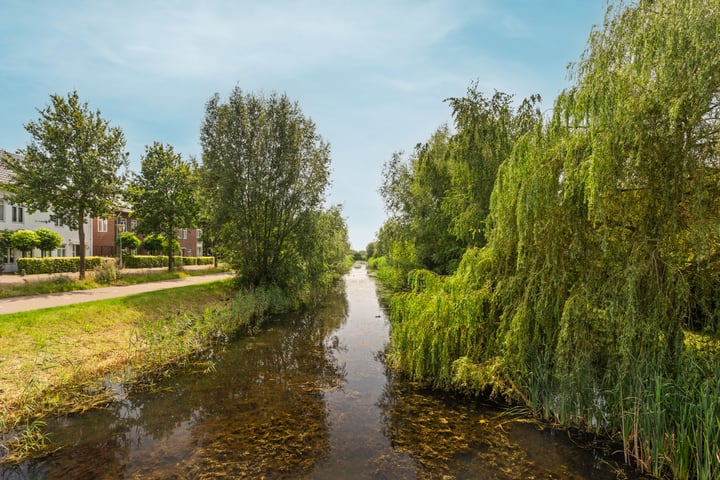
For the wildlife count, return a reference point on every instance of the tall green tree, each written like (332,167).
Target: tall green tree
(73,166)
(370,250)
(265,173)
(327,246)
(486,130)
(48,240)
(439,199)
(415,192)
(164,194)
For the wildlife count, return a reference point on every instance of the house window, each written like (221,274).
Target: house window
(183,233)
(133,225)
(18,215)
(102,225)
(8,255)
(122,224)
(59,222)
(60,252)
(2,210)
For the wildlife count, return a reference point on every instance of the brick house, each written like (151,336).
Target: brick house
(106,231)
(191,244)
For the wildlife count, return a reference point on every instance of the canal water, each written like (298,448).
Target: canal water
(308,398)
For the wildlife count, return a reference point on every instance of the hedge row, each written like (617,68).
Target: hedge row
(196,260)
(55,264)
(150,261)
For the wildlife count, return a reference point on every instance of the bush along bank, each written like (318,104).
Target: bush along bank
(150,345)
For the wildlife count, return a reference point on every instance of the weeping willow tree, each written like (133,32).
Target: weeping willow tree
(603,236)
(438,199)
(486,128)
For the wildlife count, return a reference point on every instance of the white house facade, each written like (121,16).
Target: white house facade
(16,217)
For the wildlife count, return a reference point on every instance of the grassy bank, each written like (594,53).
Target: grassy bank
(52,360)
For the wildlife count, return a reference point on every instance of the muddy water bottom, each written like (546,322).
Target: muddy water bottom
(309,398)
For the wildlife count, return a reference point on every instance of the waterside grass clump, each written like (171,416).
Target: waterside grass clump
(54,361)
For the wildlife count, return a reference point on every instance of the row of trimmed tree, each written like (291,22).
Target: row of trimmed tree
(44,239)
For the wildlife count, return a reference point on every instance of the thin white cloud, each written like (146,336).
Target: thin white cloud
(514,26)
(208,39)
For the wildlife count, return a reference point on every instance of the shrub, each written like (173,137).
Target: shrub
(145,261)
(205,260)
(33,266)
(128,240)
(153,243)
(48,240)
(153,261)
(25,240)
(107,272)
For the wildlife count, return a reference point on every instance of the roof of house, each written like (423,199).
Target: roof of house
(6,175)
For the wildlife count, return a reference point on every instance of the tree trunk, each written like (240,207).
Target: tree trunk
(170,254)
(81,235)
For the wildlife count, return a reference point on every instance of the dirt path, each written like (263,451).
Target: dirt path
(36,302)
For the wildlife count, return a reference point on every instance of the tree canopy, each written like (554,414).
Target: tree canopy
(25,241)
(439,198)
(154,243)
(128,241)
(48,240)
(73,166)
(265,174)
(164,194)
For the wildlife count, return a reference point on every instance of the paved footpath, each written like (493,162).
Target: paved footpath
(35,302)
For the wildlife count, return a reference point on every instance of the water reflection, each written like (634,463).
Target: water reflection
(262,412)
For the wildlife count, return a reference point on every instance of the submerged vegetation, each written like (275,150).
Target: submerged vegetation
(584,285)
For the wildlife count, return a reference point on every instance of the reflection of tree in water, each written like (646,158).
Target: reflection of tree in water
(260,413)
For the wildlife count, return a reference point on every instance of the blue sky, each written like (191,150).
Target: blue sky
(372,74)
